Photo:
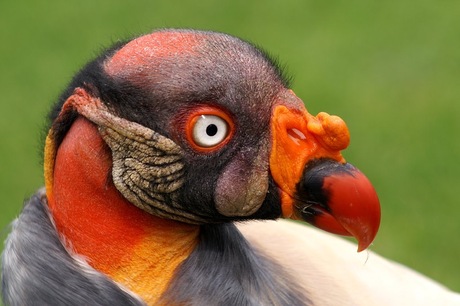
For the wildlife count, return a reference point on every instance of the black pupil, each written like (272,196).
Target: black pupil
(211,130)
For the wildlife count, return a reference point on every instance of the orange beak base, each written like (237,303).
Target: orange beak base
(338,198)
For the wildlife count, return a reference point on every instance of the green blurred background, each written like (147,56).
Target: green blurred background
(390,69)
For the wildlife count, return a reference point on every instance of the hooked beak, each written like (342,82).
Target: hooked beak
(315,182)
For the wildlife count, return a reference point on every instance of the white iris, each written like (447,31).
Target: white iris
(209,130)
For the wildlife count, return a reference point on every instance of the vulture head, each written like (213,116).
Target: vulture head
(181,129)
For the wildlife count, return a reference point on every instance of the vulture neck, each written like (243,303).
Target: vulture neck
(136,249)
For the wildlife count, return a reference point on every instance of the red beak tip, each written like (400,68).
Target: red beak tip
(364,244)
(354,208)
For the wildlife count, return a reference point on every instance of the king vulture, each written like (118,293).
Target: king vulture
(168,162)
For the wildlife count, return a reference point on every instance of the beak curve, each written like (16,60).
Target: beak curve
(338,198)
(316,185)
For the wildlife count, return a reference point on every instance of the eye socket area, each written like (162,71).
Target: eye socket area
(209,129)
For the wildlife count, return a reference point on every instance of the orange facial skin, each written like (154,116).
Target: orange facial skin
(295,142)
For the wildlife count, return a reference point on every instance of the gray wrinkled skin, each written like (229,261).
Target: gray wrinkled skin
(38,270)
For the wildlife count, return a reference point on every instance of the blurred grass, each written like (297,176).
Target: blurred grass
(390,69)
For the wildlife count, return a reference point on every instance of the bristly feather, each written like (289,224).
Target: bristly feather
(279,66)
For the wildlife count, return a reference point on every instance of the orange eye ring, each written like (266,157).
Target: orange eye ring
(208,129)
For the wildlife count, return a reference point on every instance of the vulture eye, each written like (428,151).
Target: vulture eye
(208,129)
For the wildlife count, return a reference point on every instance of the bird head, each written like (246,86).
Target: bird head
(201,127)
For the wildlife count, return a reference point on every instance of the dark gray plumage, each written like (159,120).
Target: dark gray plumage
(226,270)
(38,270)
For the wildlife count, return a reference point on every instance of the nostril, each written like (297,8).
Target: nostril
(296,135)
